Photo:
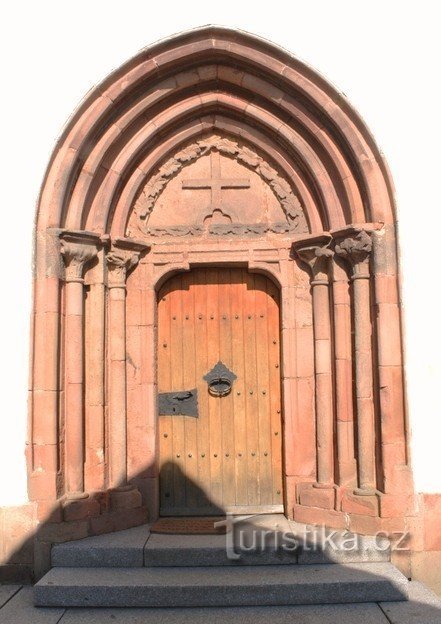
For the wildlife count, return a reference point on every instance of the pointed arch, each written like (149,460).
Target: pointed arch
(214,71)
(205,82)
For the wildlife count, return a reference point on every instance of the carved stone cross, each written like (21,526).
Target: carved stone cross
(216,183)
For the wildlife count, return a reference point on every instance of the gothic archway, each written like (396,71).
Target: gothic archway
(111,224)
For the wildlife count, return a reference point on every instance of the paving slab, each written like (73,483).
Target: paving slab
(124,549)
(21,610)
(341,614)
(220,586)
(6,592)
(423,607)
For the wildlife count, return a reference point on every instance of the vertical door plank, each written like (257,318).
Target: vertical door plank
(251,392)
(176,347)
(239,387)
(216,489)
(165,430)
(189,383)
(263,390)
(274,334)
(201,368)
(226,403)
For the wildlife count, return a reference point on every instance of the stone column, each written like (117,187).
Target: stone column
(355,245)
(121,258)
(315,253)
(347,468)
(77,249)
(95,359)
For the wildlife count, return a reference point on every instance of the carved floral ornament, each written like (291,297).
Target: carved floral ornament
(282,190)
(315,252)
(122,257)
(353,244)
(119,263)
(356,249)
(78,248)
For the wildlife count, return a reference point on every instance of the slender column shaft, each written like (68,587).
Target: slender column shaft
(74,413)
(77,250)
(364,384)
(117,388)
(355,246)
(316,254)
(121,258)
(347,472)
(323,382)
(95,396)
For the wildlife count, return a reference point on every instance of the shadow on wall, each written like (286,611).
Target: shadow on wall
(72,520)
(245,539)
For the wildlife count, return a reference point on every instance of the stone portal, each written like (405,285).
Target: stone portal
(216,151)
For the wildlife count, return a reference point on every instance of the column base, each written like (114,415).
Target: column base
(317,495)
(365,491)
(125,497)
(322,486)
(364,504)
(70,496)
(80,507)
(315,515)
(124,488)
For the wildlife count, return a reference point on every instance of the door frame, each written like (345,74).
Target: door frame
(286,327)
(238,509)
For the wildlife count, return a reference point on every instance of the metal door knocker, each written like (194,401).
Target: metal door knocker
(220,380)
(219,387)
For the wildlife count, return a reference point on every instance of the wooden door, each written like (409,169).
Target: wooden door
(226,455)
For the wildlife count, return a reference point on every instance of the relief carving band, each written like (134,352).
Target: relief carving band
(216,187)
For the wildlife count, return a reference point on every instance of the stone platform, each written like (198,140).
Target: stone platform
(137,577)
(259,540)
(261,561)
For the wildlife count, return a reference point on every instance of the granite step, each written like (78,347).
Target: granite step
(216,586)
(122,549)
(280,543)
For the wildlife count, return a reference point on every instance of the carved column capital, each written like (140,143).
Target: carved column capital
(123,255)
(315,252)
(78,249)
(355,245)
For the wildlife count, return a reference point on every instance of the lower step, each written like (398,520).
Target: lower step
(218,586)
